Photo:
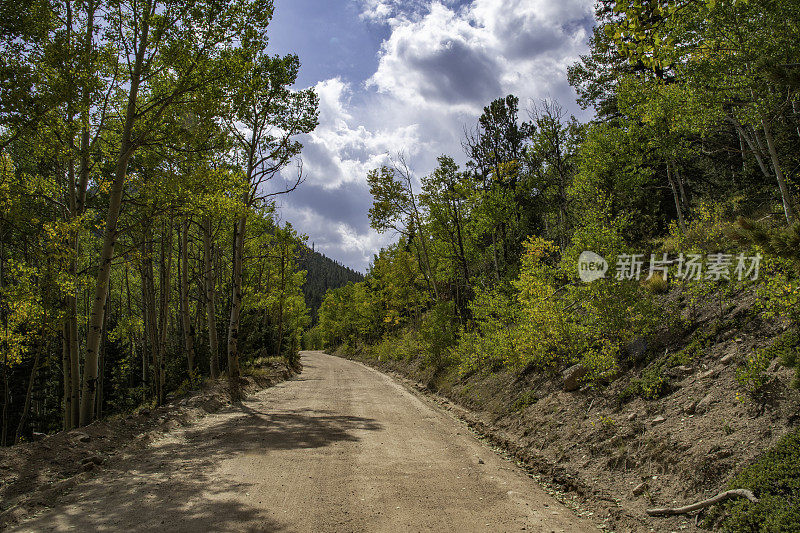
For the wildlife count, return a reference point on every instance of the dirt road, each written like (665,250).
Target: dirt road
(340,448)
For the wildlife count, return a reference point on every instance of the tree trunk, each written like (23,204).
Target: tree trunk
(754,148)
(74,358)
(149,312)
(102,357)
(281,303)
(236,304)
(6,399)
(132,335)
(73,345)
(786,196)
(66,422)
(681,189)
(89,379)
(494,255)
(211,298)
(165,280)
(186,321)
(796,109)
(676,197)
(744,154)
(4,319)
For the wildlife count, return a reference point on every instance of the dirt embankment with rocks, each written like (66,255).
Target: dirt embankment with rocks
(617,452)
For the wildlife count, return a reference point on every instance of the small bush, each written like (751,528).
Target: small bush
(691,353)
(438,334)
(189,384)
(752,374)
(650,386)
(525,399)
(400,347)
(313,339)
(775,480)
(493,342)
(656,284)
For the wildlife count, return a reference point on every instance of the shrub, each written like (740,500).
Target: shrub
(189,384)
(691,353)
(313,339)
(775,480)
(438,334)
(525,399)
(492,342)
(586,322)
(707,232)
(751,375)
(656,284)
(405,345)
(544,321)
(650,386)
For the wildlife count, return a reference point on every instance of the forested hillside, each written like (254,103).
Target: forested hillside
(322,274)
(684,186)
(142,145)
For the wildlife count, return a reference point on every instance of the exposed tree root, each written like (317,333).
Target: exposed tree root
(719,498)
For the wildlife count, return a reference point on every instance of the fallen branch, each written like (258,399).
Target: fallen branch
(719,498)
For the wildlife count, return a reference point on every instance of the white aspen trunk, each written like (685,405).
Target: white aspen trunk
(280,304)
(786,196)
(681,189)
(236,306)
(165,281)
(211,297)
(186,321)
(89,378)
(753,148)
(676,197)
(66,422)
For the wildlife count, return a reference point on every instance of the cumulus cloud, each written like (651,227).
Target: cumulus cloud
(439,65)
(465,56)
(348,142)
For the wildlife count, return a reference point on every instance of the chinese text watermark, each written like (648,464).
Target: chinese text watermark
(697,267)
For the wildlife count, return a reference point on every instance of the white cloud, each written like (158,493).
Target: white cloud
(440,65)
(463,58)
(349,141)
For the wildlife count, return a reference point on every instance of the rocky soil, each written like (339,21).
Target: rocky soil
(619,456)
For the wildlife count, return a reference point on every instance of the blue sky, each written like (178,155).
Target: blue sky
(408,76)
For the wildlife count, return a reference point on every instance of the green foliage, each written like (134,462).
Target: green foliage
(751,375)
(189,384)
(537,324)
(690,354)
(322,273)
(438,334)
(492,342)
(313,338)
(775,479)
(779,291)
(525,400)
(399,347)
(110,180)
(653,383)
(706,233)
(657,284)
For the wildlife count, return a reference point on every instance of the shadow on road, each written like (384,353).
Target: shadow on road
(173,485)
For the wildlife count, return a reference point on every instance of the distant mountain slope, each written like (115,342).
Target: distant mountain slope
(323,273)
